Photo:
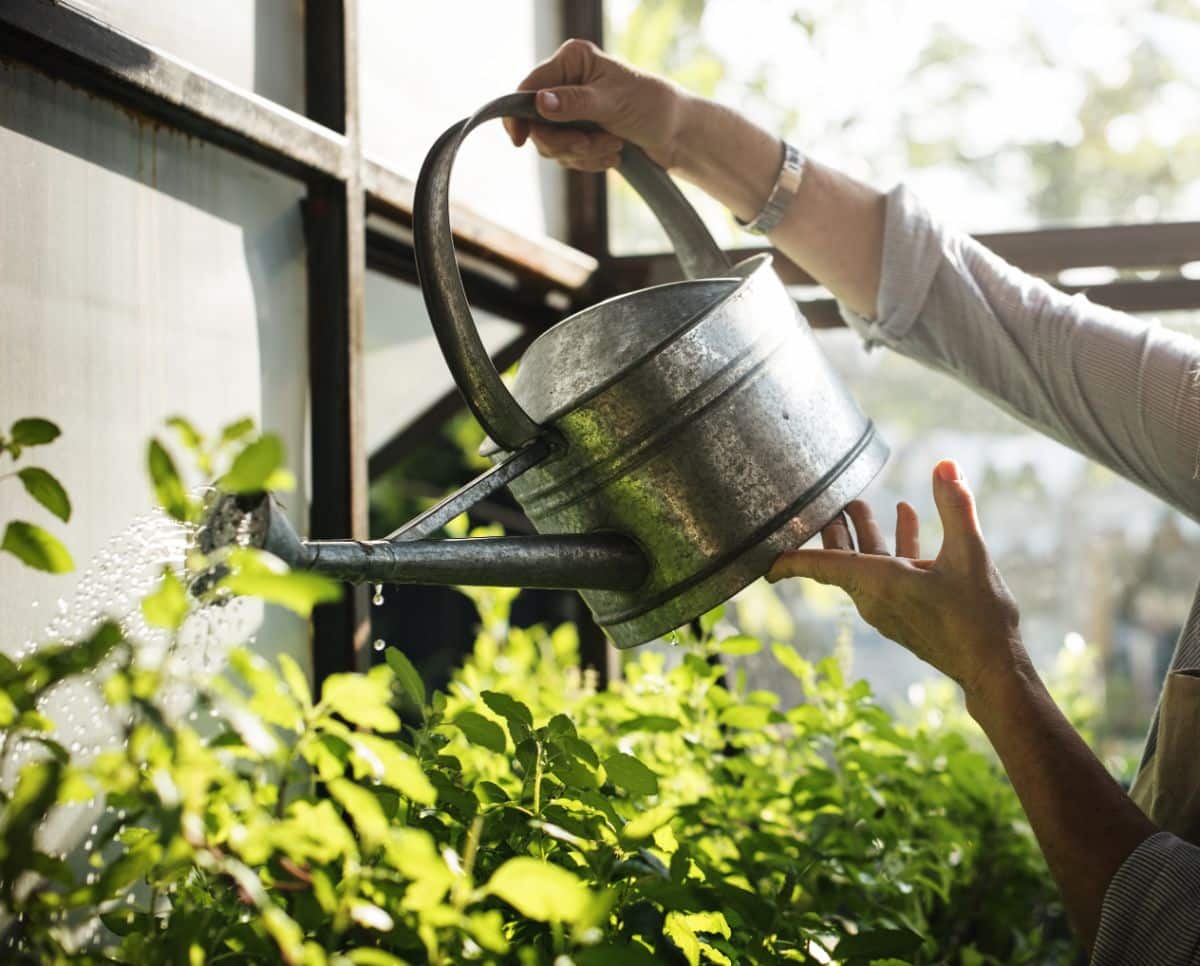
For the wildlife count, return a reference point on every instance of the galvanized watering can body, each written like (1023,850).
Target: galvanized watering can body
(699,418)
(667,444)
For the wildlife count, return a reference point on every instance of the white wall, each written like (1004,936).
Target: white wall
(426,65)
(142,274)
(257,45)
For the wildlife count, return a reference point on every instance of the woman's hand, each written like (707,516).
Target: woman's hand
(582,83)
(953,611)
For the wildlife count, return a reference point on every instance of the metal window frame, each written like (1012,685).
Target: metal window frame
(531,281)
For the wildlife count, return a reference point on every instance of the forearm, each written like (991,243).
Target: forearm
(1084,822)
(833,228)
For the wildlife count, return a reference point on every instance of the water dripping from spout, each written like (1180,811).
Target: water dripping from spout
(377,600)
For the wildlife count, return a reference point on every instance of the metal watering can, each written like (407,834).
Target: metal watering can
(667,444)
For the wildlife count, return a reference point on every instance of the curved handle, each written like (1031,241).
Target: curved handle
(441,283)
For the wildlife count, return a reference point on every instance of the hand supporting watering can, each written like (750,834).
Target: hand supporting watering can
(896,272)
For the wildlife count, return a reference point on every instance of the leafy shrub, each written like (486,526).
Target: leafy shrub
(521,816)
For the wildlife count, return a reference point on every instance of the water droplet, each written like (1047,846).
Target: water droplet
(380,644)
(378,598)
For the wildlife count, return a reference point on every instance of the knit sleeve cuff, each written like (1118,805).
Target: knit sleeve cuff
(912,252)
(1149,913)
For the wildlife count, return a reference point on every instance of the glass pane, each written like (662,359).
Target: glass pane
(1041,113)
(257,45)
(405,371)
(426,65)
(143,274)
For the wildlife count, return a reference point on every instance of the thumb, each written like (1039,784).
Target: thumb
(963,539)
(853,572)
(574,103)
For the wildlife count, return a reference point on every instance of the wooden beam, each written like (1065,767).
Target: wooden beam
(542,263)
(1040,252)
(335,225)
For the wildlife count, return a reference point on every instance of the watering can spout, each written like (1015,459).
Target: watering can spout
(598,561)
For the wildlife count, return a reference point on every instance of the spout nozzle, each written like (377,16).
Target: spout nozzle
(246,520)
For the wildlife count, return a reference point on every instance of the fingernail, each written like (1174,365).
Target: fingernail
(548,102)
(948,470)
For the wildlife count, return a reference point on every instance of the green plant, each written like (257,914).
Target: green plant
(521,816)
(26,541)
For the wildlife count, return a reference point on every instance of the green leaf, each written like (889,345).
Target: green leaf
(238,429)
(878,944)
(790,659)
(365,956)
(628,773)
(168,487)
(191,437)
(255,573)
(649,722)
(44,488)
(407,675)
(740,645)
(168,606)
(481,731)
(258,467)
(648,822)
(541,891)
(36,548)
(361,700)
(383,761)
(517,715)
(296,680)
(745,716)
(363,808)
(34,432)
(676,929)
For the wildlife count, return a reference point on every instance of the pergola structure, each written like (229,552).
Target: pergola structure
(358,215)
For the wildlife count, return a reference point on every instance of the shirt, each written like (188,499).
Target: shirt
(1121,390)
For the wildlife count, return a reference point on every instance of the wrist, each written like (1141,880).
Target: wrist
(1002,690)
(725,153)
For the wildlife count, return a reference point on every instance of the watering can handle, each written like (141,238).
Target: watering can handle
(441,283)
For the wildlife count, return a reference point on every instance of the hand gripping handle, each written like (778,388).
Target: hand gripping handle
(441,283)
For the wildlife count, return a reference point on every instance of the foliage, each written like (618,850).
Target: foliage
(26,541)
(521,816)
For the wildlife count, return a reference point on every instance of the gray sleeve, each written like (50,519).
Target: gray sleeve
(1151,911)
(1121,390)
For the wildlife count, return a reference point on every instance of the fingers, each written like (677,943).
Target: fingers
(836,536)
(908,532)
(963,540)
(870,537)
(583,150)
(573,63)
(853,572)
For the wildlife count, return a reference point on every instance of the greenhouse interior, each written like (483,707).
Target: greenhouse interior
(600,482)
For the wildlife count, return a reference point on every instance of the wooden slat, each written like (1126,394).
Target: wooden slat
(335,223)
(1041,252)
(540,262)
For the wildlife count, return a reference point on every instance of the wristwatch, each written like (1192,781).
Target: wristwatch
(791,173)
